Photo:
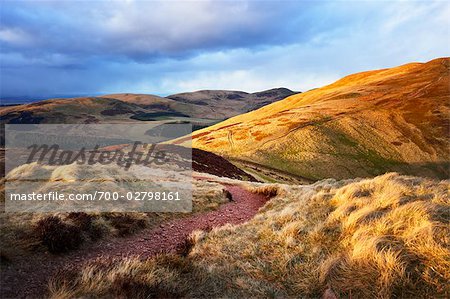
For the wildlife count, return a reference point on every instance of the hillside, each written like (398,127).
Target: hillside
(384,237)
(73,110)
(201,108)
(223,104)
(362,125)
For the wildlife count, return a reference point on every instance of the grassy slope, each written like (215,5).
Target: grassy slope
(375,238)
(362,125)
(201,107)
(21,234)
(108,108)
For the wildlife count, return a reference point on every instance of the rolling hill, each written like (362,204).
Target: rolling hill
(222,104)
(364,124)
(202,108)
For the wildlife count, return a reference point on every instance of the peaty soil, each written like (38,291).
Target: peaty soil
(28,278)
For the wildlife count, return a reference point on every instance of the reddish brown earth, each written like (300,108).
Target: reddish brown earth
(207,162)
(28,278)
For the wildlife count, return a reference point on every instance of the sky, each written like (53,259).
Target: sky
(164,47)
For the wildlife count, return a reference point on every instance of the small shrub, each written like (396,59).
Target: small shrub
(56,235)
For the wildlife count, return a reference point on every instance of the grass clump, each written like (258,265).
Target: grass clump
(56,235)
(268,190)
(126,223)
(126,278)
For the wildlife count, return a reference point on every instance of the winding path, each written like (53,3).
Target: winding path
(28,278)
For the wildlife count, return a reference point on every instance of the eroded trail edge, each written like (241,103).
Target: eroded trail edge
(28,278)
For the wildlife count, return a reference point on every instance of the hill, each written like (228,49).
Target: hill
(364,124)
(201,108)
(223,104)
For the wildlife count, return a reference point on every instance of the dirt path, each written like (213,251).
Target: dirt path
(28,278)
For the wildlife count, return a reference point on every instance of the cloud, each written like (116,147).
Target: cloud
(15,36)
(167,47)
(146,30)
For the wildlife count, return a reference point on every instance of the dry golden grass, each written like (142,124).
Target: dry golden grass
(21,234)
(363,125)
(268,190)
(374,238)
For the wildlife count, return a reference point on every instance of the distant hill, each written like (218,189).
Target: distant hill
(222,104)
(362,125)
(202,108)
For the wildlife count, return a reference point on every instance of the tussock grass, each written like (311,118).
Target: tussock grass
(129,278)
(56,235)
(264,189)
(367,238)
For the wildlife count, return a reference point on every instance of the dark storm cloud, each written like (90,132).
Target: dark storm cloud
(146,31)
(169,46)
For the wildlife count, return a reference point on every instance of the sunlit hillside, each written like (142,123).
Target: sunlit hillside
(362,125)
